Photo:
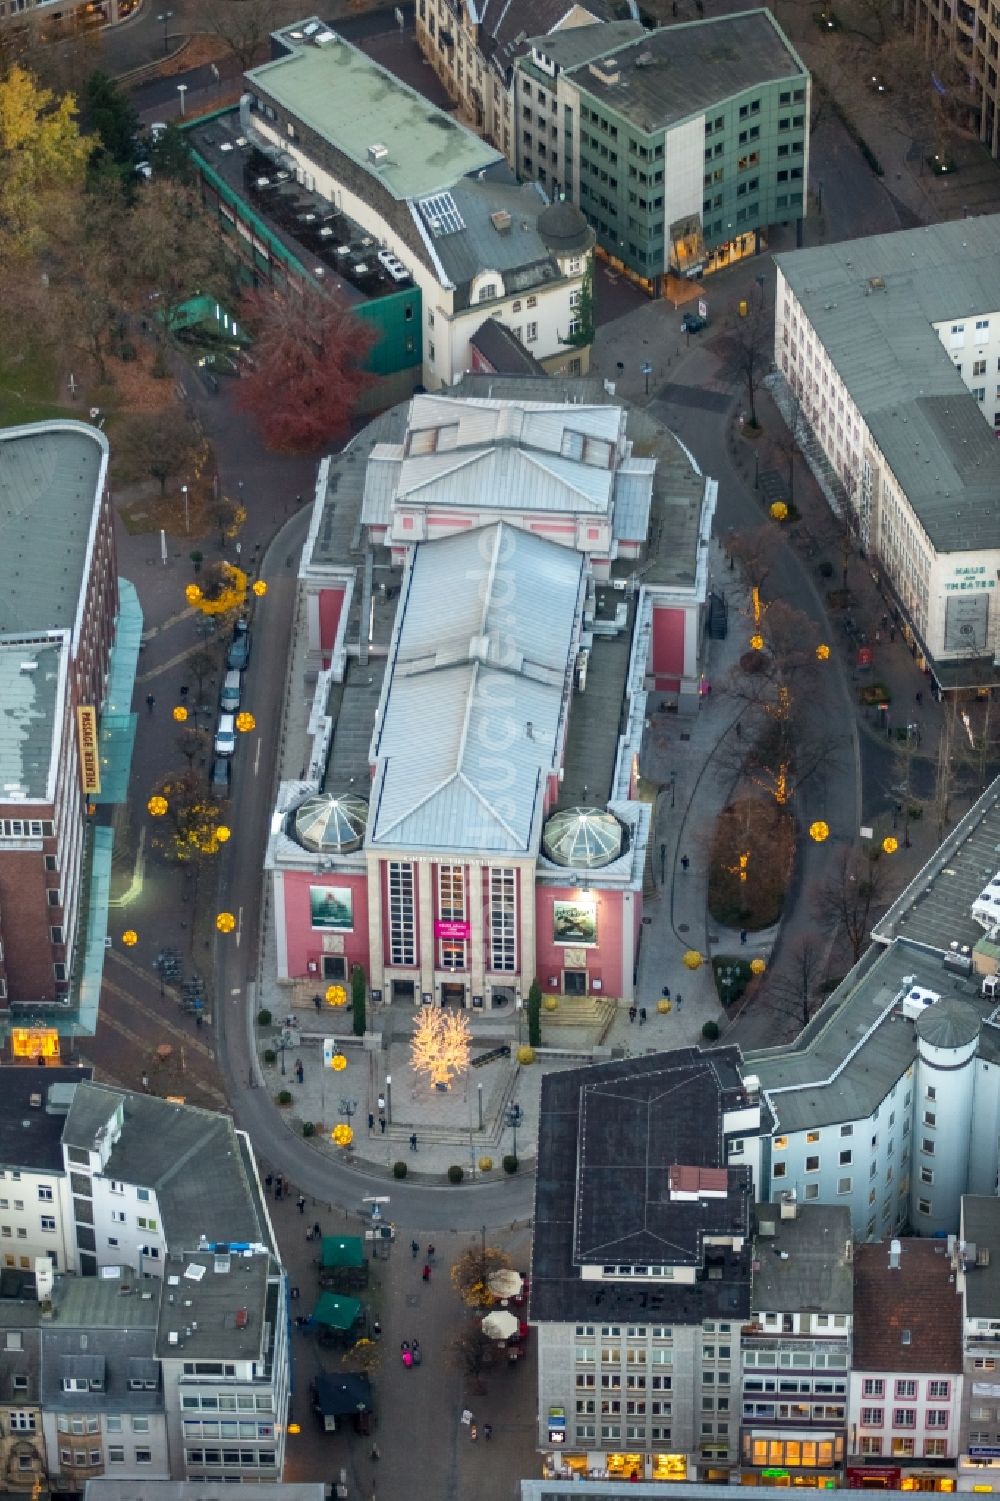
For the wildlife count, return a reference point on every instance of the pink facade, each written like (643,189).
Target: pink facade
(305,943)
(331,603)
(601,959)
(667,666)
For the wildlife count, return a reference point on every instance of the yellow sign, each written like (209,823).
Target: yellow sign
(34,1042)
(90,760)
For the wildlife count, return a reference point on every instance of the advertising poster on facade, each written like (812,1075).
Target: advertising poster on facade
(966,618)
(332,907)
(574,922)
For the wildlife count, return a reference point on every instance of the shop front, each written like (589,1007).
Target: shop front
(979,1469)
(786,1460)
(597,1465)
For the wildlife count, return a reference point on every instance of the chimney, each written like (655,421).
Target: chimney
(895,1253)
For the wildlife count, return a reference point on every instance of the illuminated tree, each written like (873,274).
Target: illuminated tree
(439,1047)
(190,826)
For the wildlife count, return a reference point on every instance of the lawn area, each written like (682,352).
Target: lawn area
(27,392)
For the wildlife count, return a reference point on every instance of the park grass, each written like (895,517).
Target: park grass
(28,391)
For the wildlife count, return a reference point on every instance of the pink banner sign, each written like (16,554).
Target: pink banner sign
(453,930)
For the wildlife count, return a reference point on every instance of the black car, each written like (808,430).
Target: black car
(221,776)
(693,323)
(239,653)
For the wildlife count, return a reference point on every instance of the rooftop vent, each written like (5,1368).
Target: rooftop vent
(501,221)
(895,1254)
(877,283)
(378,152)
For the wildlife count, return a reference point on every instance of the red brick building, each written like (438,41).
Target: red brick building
(58,606)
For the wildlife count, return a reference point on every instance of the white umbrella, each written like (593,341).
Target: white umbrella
(500,1324)
(506,1283)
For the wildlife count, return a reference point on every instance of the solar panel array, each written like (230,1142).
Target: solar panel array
(441,214)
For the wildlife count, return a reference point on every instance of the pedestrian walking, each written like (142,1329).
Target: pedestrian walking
(642,1016)
(426,1273)
(920,698)
(317,1232)
(375,1454)
(300,1203)
(150,701)
(487,1430)
(665,992)
(318,1002)
(430,1253)
(413,1142)
(299,1071)
(381,1124)
(685,862)
(376,1330)
(680,1000)
(743,935)
(631,1013)
(145,1081)
(269,1181)
(414,1249)
(371,1121)
(739,730)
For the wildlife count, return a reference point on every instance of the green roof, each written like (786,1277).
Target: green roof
(354,104)
(336,1311)
(342,1251)
(51,478)
(28,699)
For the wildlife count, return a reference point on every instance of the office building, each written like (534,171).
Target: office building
(570,536)
(890,348)
(641,1265)
(796,1347)
(35,1200)
(975,1254)
(68,641)
(972,36)
(405,197)
(906,1376)
(681,146)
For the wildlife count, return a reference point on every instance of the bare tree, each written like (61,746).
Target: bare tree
(472,1352)
(244,26)
(756,553)
(471,1273)
(854,894)
(801,974)
(750,349)
(160,444)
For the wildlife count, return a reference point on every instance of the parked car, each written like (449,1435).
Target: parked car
(221,776)
(239,653)
(225,735)
(229,698)
(693,323)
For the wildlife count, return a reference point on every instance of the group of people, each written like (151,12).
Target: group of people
(410,1353)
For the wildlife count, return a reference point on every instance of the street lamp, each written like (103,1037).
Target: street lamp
(388,1098)
(283,1043)
(184,492)
(182,90)
(515,1118)
(646,369)
(165,16)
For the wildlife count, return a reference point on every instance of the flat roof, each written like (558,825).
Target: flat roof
(665,76)
(873,303)
(906,1318)
(219,1307)
(846,1060)
(29,697)
(356,104)
(607,1135)
(572,45)
(981,1228)
(935,909)
(51,483)
(111,1300)
(803,1264)
(30,1133)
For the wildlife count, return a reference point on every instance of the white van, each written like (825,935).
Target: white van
(229,698)
(225,735)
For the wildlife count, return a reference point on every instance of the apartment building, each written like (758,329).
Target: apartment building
(906,1375)
(681,146)
(641,1267)
(796,1347)
(890,348)
(22,1443)
(472,50)
(971,33)
(975,1253)
(420,186)
(34,1186)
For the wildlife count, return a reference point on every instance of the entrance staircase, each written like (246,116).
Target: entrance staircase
(588,1013)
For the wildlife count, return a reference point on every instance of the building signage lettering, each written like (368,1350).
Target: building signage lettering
(457,931)
(90,760)
(970,577)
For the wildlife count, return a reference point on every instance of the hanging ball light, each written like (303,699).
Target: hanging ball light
(823,652)
(757,966)
(222,834)
(225,922)
(692,959)
(157,805)
(245,722)
(757,641)
(779,511)
(338,1063)
(180,713)
(819,831)
(342,1135)
(192,594)
(259,588)
(130,938)
(890,844)
(336,995)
